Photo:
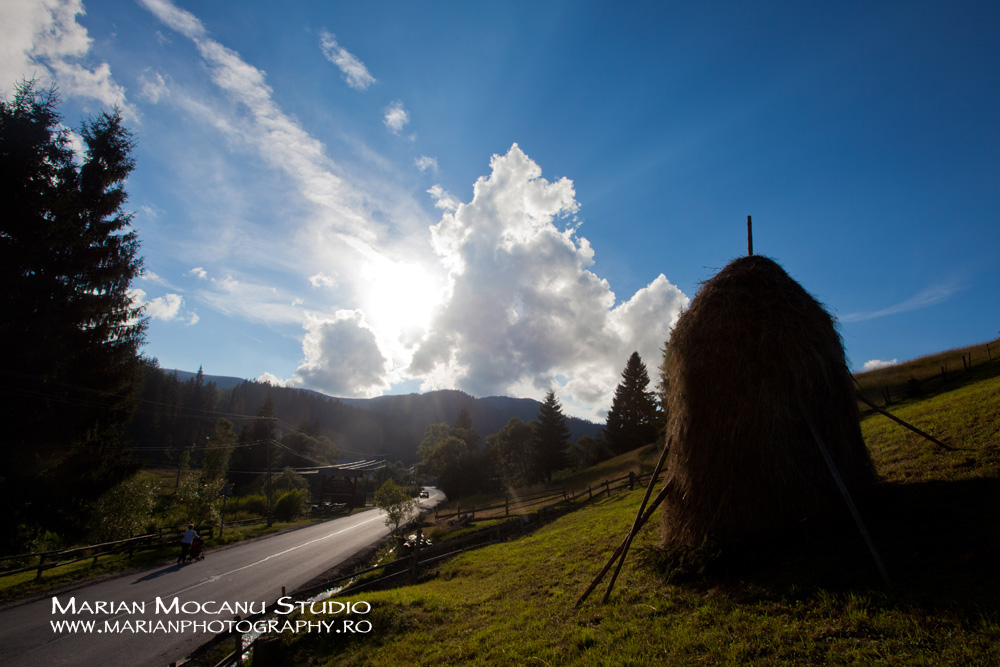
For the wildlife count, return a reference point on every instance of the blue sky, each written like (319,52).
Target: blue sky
(507,197)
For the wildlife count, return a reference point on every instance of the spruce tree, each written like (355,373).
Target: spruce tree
(552,436)
(632,420)
(70,364)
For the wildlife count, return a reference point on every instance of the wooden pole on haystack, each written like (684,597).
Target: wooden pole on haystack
(640,519)
(843,491)
(901,422)
(749,237)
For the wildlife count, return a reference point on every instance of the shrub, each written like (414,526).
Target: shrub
(290,504)
(256,505)
(124,510)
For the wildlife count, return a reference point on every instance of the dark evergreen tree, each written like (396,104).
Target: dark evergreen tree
(632,419)
(510,455)
(70,367)
(552,437)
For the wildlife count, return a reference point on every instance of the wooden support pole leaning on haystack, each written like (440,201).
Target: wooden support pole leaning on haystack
(749,236)
(843,491)
(640,519)
(903,423)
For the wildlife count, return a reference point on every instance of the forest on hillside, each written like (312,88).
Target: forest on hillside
(176,416)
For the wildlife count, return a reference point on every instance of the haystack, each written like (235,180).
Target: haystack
(753,352)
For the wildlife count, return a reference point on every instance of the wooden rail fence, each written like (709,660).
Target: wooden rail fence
(59,557)
(422,556)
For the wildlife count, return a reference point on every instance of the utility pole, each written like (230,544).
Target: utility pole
(270,504)
(226,492)
(270,493)
(749,237)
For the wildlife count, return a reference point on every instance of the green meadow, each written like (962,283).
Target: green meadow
(815,599)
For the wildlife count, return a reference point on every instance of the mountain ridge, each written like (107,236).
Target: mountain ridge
(411,413)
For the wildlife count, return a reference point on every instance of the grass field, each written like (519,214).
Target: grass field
(817,599)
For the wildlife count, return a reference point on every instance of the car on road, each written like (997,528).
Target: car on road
(424,494)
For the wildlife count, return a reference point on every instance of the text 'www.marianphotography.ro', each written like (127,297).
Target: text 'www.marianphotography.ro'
(499,333)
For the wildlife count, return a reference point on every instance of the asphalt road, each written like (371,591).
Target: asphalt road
(251,575)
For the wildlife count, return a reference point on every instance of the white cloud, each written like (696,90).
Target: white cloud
(198,272)
(342,357)
(167,308)
(153,87)
(354,71)
(321,280)
(928,297)
(396,117)
(524,307)
(250,300)
(42,40)
(875,364)
(443,199)
(511,305)
(271,379)
(426,164)
(278,138)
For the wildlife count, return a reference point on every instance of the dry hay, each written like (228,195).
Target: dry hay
(752,347)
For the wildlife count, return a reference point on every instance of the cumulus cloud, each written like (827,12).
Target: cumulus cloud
(166,307)
(353,70)
(525,308)
(426,164)
(198,272)
(443,199)
(169,307)
(875,364)
(396,117)
(271,379)
(153,86)
(342,357)
(321,280)
(42,40)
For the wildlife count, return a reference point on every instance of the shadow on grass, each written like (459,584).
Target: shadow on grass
(942,542)
(939,542)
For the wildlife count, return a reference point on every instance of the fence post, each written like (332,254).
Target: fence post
(239,643)
(506,506)
(41,561)
(607,487)
(415,562)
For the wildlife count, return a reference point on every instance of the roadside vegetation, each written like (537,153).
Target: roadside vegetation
(816,599)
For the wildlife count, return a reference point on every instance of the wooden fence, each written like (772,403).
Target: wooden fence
(913,386)
(518,504)
(408,567)
(59,557)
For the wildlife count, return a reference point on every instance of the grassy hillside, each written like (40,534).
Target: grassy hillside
(815,600)
(932,373)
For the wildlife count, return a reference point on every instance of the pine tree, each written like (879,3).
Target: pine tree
(70,365)
(552,436)
(632,419)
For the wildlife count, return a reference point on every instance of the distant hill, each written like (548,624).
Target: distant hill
(489,414)
(221,381)
(392,425)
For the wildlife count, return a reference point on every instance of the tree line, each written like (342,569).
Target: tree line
(523,453)
(87,411)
